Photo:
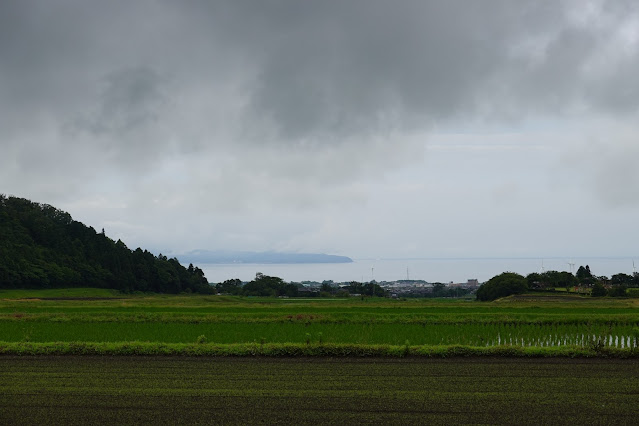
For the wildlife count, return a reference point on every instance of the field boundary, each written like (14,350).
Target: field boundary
(305,350)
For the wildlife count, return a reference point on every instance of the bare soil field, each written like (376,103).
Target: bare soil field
(192,390)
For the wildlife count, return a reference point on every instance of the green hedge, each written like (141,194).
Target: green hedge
(301,350)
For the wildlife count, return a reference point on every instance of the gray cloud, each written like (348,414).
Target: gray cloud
(347,69)
(605,163)
(326,71)
(131,99)
(230,107)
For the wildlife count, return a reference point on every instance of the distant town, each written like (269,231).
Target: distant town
(403,288)
(264,285)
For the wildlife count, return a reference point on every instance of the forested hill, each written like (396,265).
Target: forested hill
(43,247)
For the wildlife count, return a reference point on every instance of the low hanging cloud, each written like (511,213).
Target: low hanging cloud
(321,73)
(130,99)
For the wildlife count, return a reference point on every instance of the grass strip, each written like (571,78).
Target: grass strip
(327,318)
(303,350)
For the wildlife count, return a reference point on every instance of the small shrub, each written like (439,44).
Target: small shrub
(201,339)
(598,290)
(406,348)
(617,291)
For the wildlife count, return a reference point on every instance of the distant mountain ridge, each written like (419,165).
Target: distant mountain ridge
(228,257)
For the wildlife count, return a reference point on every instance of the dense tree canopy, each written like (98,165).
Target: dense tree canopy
(263,285)
(585,277)
(502,285)
(367,289)
(550,279)
(43,247)
(624,280)
(267,286)
(598,290)
(232,286)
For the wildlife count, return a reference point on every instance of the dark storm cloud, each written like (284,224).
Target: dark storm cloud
(131,98)
(340,68)
(318,70)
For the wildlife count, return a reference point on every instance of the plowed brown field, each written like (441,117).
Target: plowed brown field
(181,390)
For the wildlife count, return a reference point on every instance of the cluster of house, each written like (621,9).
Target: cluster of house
(403,288)
(399,288)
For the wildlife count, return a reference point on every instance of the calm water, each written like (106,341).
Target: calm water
(432,270)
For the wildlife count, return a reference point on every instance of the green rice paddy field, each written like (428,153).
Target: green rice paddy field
(530,359)
(525,321)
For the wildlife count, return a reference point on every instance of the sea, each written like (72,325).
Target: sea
(444,270)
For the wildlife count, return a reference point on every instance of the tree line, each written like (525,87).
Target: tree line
(266,286)
(508,283)
(262,285)
(43,247)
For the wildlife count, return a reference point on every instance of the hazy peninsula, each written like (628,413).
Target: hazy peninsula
(227,257)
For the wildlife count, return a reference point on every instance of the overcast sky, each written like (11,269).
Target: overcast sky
(372,128)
